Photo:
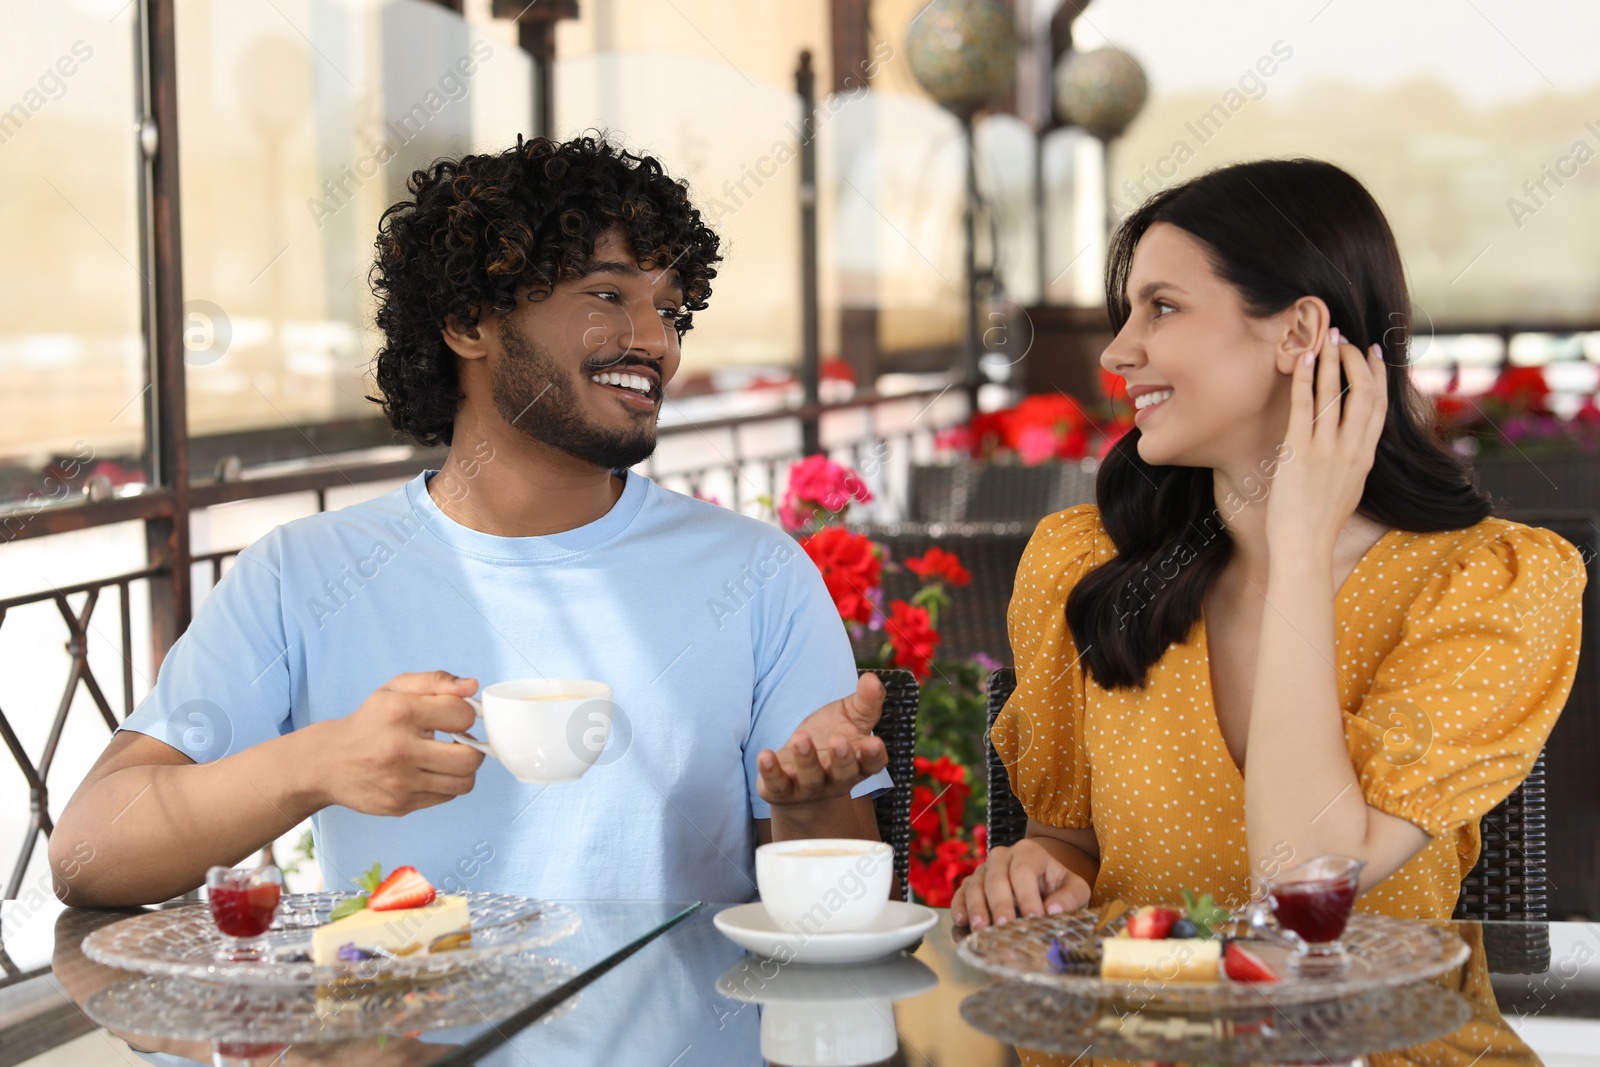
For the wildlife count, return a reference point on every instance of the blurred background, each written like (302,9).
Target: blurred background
(914,196)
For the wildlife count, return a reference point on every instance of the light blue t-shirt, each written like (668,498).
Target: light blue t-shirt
(713,629)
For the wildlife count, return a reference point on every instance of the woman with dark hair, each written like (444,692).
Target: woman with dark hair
(1291,627)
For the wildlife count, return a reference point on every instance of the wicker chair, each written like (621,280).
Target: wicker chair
(1006,820)
(1508,882)
(1573,750)
(898,728)
(975,619)
(982,492)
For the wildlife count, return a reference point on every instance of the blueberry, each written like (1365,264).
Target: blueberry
(1184,928)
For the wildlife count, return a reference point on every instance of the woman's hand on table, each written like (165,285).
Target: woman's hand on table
(1019,881)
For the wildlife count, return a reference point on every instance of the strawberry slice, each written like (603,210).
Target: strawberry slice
(404,888)
(1151,923)
(1242,965)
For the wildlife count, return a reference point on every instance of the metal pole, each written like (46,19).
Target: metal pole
(969,225)
(161,254)
(1041,205)
(810,356)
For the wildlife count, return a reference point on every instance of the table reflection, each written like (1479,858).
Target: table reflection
(832,1016)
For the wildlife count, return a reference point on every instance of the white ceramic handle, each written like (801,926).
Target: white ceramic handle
(467,739)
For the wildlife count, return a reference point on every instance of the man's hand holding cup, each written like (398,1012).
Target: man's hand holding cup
(388,760)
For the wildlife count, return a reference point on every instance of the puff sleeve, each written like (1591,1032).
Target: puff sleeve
(1461,706)
(1039,734)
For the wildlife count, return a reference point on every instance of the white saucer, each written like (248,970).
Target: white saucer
(749,926)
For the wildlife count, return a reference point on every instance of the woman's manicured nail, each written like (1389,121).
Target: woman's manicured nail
(1055,909)
(1333,335)
(1309,358)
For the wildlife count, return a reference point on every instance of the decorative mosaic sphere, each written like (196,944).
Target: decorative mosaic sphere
(963,52)
(1100,91)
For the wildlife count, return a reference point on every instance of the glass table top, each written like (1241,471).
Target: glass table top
(656,985)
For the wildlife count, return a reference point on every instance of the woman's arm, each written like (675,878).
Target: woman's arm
(1301,794)
(1302,797)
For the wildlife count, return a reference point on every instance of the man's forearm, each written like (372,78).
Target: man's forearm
(838,817)
(144,834)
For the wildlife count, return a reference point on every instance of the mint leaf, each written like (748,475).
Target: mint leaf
(1205,913)
(371,880)
(348,906)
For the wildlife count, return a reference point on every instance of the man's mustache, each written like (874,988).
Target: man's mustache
(623,359)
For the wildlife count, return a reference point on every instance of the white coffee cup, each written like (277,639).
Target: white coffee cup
(824,885)
(543,729)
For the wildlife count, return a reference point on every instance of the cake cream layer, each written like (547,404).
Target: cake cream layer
(1176,960)
(390,930)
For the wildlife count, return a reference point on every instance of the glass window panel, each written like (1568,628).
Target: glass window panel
(301,121)
(1480,145)
(71,352)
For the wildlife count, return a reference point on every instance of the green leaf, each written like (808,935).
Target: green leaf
(372,879)
(348,906)
(1205,913)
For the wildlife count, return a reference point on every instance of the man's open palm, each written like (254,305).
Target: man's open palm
(832,751)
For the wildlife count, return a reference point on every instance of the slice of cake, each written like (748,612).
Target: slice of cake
(400,914)
(400,931)
(1185,960)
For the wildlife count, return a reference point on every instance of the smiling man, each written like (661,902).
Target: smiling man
(532,304)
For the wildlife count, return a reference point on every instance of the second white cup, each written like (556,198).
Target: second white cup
(544,730)
(824,885)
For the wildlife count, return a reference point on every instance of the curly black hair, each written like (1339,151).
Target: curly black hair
(483,229)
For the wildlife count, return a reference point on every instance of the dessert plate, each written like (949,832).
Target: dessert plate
(1049,1020)
(182,1008)
(749,926)
(181,941)
(1383,952)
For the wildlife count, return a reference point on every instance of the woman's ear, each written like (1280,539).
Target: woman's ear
(468,342)
(1305,327)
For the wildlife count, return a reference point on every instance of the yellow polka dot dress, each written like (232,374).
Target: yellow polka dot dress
(1455,653)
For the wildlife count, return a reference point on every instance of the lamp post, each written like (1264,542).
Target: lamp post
(1101,91)
(964,54)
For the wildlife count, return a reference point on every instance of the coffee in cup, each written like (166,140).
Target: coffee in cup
(544,730)
(824,885)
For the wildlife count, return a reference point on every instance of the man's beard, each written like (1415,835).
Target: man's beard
(537,395)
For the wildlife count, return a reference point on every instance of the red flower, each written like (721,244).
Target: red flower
(1521,388)
(938,565)
(935,881)
(988,433)
(1057,413)
(851,569)
(913,638)
(942,852)
(1450,407)
(943,770)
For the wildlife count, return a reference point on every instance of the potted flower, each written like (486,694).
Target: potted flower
(946,810)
